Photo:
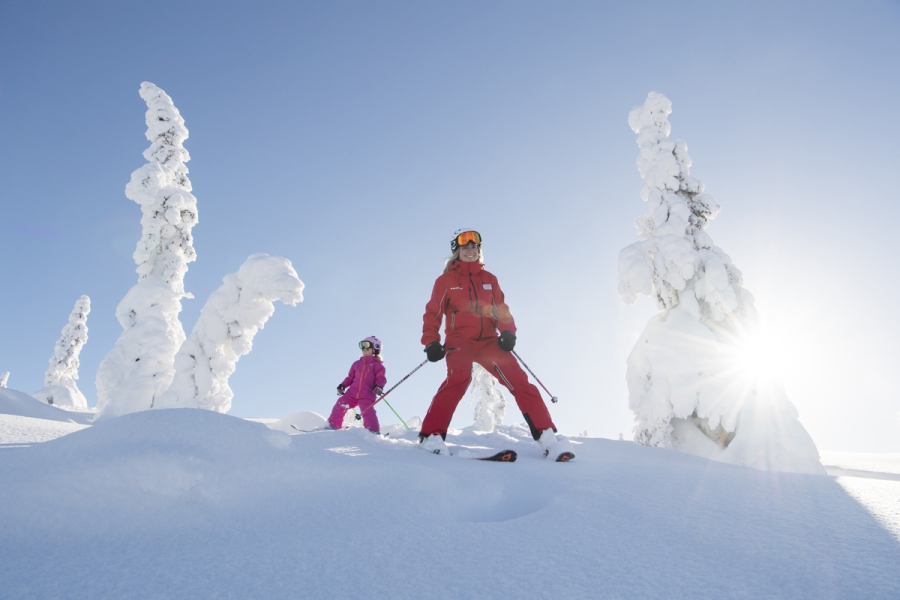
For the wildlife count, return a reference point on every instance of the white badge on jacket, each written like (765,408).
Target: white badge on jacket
(487,286)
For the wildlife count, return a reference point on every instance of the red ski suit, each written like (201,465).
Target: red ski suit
(470,302)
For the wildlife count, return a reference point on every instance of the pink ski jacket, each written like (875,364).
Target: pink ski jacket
(365,374)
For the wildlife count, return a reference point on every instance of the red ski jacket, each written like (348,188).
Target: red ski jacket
(472,301)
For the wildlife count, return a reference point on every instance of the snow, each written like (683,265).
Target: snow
(196,504)
(14,402)
(691,384)
(225,330)
(487,396)
(60,387)
(141,365)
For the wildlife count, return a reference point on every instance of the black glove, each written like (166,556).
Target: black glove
(507,340)
(377,389)
(341,389)
(435,351)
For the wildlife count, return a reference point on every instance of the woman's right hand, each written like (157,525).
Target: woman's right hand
(341,389)
(434,351)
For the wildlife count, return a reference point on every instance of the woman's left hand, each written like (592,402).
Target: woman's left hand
(507,340)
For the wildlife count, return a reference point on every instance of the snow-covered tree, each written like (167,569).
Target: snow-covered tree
(141,366)
(225,330)
(687,386)
(60,388)
(490,403)
(4,377)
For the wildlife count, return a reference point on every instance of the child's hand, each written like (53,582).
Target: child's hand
(340,390)
(378,391)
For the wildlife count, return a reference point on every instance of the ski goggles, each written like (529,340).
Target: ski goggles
(366,344)
(465,238)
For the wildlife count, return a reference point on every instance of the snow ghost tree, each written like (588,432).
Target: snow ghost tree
(141,365)
(224,332)
(687,385)
(59,381)
(4,377)
(490,403)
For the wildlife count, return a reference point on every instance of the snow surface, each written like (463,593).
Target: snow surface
(187,503)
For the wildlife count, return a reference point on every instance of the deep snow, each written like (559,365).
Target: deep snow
(190,503)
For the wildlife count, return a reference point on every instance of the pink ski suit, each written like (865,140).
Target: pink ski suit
(365,374)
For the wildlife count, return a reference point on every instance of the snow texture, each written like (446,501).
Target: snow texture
(141,365)
(225,330)
(490,403)
(59,381)
(196,504)
(14,402)
(687,386)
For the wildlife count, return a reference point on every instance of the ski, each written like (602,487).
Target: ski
(502,456)
(323,428)
(565,457)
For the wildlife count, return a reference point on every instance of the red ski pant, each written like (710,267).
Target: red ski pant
(499,363)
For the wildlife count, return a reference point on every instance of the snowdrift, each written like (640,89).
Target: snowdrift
(196,504)
(17,403)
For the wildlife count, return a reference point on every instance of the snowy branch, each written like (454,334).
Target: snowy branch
(225,330)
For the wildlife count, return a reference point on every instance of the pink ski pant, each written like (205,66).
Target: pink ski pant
(499,363)
(345,403)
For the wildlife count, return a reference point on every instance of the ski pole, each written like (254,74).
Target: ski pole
(553,398)
(395,412)
(359,416)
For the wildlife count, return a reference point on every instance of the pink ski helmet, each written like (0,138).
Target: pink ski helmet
(371,342)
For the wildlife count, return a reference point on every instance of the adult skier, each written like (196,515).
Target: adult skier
(478,327)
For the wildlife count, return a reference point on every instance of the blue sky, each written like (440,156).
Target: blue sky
(354,137)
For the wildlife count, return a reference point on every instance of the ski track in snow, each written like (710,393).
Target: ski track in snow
(188,503)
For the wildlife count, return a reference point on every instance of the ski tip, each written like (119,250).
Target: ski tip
(565,457)
(502,456)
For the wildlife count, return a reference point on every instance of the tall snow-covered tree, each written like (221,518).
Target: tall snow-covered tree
(225,330)
(490,403)
(60,388)
(141,365)
(4,378)
(686,385)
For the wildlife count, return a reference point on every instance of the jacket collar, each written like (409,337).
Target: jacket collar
(467,268)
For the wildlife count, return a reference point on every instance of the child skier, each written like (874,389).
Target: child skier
(361,387)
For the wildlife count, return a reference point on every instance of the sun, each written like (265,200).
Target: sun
(762,356)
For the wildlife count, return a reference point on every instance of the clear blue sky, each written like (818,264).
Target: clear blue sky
(354,137)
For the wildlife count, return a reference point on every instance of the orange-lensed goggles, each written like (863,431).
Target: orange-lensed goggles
(465,238)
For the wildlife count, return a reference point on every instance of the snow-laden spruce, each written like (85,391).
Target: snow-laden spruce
(4,377)
(141,366)
(490,403)
(688,387)
(225,330)
(60,388)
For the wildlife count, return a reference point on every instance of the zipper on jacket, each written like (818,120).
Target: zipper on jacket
(361,379)
(474,292)
(453,320)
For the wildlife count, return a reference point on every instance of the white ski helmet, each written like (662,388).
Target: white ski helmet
(470,236)
(371,342)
